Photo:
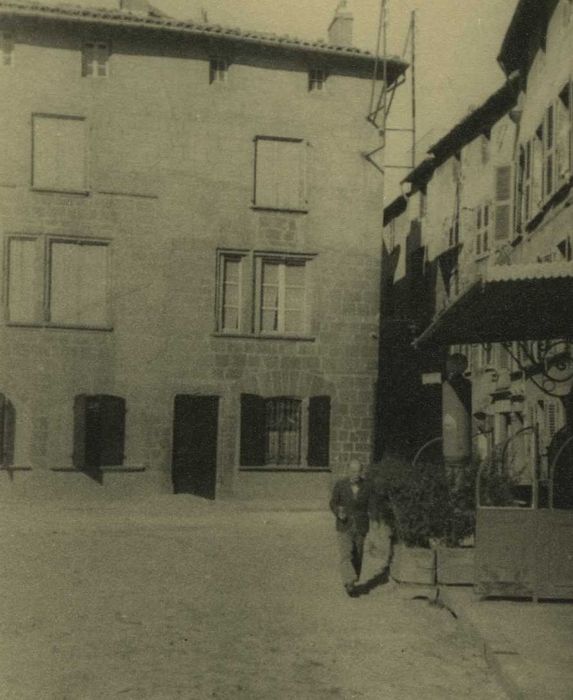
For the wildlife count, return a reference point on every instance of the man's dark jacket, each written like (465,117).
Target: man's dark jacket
(359,509)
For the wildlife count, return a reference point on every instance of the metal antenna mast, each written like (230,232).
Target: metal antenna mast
(381,103)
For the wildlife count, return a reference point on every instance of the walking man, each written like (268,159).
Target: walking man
(353,503)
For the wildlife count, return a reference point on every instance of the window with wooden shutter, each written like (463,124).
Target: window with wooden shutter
(280,173)
(79,283)
(283,431)
(503,188)
(318,431)
(25,280)
(253,435)
(59,153)
(536,201)
(549,152)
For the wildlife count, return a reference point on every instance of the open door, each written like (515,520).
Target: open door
(194,459)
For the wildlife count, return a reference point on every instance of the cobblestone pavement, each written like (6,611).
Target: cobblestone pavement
(224,604)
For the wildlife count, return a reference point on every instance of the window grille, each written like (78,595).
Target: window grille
(6,48)
(283,431)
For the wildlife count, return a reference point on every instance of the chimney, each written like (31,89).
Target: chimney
(140,7)
(340,30)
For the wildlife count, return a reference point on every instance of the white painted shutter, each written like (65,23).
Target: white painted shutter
(78,284)
(280,174)
(59,153)
(24,281)
(563,139)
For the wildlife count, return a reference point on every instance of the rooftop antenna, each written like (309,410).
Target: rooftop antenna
(382,97)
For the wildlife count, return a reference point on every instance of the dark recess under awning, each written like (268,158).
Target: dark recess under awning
(511,302)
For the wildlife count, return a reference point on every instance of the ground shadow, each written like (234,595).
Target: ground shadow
(379,580)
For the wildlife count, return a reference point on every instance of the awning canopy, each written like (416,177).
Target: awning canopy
(509,302)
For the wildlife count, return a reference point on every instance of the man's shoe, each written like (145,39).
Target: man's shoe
(351,590)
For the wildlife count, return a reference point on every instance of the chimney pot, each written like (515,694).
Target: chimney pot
(340,29)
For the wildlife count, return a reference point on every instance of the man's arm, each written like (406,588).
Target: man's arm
(335,501)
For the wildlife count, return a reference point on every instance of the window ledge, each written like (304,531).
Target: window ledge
(482,256)
(284,210)
(56,326)
(285,468)
(106,469)
(260,336)
(51,190)
(15,468)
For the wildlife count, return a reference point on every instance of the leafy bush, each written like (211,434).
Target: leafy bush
(427,502)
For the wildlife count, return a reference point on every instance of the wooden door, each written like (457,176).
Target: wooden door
(194,459)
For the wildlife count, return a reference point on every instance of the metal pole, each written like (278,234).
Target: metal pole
(413,31)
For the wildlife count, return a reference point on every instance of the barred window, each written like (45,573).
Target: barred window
(6,49)
(316,79)
(283,431)
(218,70)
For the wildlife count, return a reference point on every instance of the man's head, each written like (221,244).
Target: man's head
(355,471)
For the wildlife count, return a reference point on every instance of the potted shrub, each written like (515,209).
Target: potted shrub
(412,498)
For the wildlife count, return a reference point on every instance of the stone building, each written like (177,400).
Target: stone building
(191,254)
(478,266)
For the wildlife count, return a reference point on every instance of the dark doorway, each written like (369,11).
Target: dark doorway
(194,465)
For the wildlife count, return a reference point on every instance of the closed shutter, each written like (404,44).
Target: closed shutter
(2,423)
(252,431)
(59,153)
(280,174)
(318,431)
(502,202)
(563,138)
(112,430)
(536,174)
(79,453)
(25,294)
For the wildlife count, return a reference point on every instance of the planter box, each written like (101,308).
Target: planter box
(455,565)
(413,565)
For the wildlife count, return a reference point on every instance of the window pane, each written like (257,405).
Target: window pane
(269,320)
(270,297)
(232,270)
(270,273)
(59,153)
(230,318)
(24,281)
(293,321)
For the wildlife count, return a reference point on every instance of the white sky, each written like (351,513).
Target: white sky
(457,40)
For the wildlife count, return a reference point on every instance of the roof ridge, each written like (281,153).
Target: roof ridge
(157,18)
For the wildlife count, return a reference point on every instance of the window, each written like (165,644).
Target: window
(61,282)
(316,79)
(6,49)
(218,70)
(230,292)
(95,59)
(563,136)
(281,295)
(549,152)
(280,173)
(503,206)
(482,230)
(274,432)
(59,153)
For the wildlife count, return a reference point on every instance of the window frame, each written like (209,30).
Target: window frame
(218,70)
(242,257)
(53,188)
(283,260)
(96,44)
(317,77)
(302,206)
(7,40)
(45,242)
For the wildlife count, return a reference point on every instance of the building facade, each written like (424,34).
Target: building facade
(478,255)
(191,254)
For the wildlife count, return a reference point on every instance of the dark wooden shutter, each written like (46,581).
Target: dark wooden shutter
(318,431)
(112,430)
(79,454)
(2,423)
(9,432)
(502,202)
(252,431)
